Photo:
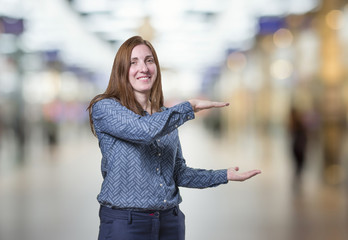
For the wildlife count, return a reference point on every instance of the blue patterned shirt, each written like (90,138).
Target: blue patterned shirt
(142,163)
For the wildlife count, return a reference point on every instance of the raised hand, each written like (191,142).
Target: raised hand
(199,105)
(234,175)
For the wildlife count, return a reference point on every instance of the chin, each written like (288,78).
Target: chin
(144,91)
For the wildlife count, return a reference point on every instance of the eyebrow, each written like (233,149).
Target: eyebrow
(148,56)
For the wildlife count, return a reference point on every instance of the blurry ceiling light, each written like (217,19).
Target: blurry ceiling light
(56,26)
(104,23)
(167,16)
(130,9)
(301,6)
(90,6)
(236,23)
(268,7)
(281,69)
(15,8)
(280,7)
(334,19)
(236,61)
(283,38)
(206,5)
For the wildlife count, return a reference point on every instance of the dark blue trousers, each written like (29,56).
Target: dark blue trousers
(118,224)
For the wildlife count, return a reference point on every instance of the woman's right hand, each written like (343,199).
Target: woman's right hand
(199,105)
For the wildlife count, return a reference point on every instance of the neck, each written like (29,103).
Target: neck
(144,101)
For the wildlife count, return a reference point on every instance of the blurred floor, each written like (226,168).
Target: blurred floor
(53,195)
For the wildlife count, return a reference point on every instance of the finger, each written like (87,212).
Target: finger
(251,173)
(220,104)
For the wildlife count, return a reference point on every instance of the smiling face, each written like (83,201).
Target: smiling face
(143,71)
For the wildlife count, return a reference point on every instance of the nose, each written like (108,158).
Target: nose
(143,67)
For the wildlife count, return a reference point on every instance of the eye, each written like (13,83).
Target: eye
(133,62)
(150,60)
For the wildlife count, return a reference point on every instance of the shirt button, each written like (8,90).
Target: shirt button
(157,169)
(176,125)
(161,184)
(165,201)
(159,154)
(188,117)
(158,140)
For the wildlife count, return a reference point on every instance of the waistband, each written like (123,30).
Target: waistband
(131,214)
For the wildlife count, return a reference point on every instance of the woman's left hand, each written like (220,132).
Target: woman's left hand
(199,105)
(234,175)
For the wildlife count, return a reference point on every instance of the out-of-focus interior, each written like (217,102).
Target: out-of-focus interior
(282,65)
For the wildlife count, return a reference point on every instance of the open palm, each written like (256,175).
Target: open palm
(234,175)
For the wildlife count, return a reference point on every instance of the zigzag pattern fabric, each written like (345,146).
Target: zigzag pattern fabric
(142,163)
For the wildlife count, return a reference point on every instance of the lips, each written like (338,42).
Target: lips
(144,78)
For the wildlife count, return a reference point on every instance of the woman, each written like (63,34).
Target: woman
(142,162)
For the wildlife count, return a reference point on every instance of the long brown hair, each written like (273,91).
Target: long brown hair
(119,86)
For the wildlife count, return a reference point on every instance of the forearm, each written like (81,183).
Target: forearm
(116,120)
(200,178)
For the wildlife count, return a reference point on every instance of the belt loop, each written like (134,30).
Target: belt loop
(175,211)
(129,217)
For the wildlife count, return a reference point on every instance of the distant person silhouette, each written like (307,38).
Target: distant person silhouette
(298,135)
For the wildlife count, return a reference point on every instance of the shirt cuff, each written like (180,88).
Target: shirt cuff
(189,110)
(222,176)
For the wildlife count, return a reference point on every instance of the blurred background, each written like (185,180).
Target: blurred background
(281,64)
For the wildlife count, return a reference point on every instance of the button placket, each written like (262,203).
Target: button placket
(158,149)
